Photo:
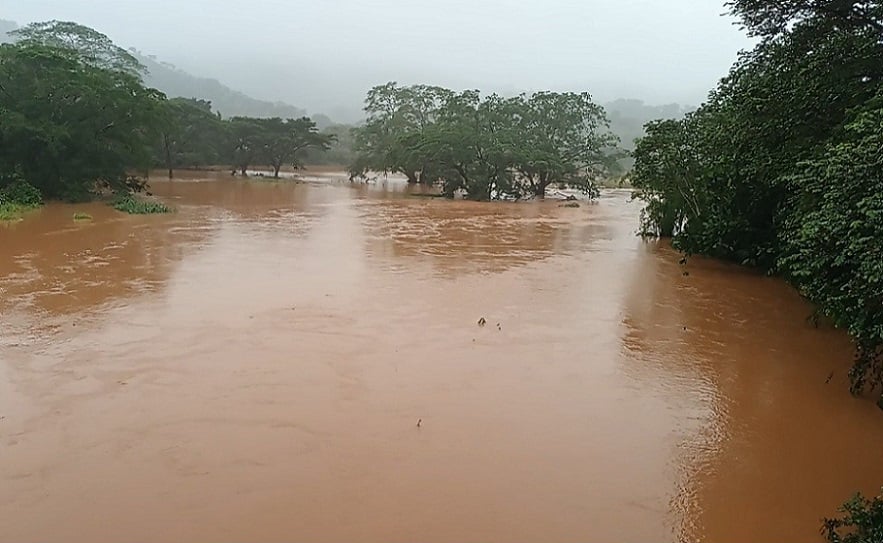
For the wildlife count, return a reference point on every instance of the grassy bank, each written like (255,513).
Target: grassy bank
(10,211)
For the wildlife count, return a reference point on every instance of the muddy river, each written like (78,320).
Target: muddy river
(254,367)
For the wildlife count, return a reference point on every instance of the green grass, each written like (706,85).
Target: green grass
(79,216)
(10,211)
(135,206)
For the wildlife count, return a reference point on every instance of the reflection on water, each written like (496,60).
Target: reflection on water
(252,367)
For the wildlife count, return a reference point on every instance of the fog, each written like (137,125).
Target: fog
(324,55)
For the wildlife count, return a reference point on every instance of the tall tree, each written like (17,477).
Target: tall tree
(90,45)
(283,141)
(70,126)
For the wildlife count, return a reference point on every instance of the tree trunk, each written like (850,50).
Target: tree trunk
(167,148)
(276,170)
(242,169)
(540,187)
(412,177)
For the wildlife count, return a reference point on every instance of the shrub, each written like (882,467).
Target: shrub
(133,206)
(862,522)
(15,190)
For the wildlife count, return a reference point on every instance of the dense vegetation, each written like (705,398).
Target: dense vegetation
(862,522)
(782,169)
(489,147)
(76,120)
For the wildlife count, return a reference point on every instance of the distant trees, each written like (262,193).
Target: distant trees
(781,168)
(283,142)
(192,136)
(488,147)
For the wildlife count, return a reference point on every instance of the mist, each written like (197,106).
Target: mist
(323,56)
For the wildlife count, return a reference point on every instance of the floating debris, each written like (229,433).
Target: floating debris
(482,321)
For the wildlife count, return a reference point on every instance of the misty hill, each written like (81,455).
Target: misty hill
(5,28)
(628,117)
(175,82)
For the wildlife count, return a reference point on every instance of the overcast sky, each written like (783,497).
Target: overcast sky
(324,54)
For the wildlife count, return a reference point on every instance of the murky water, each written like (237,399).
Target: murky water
(253,367)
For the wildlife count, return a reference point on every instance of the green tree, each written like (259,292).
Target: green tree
(832,237)
(394,115)
(245,143)
(770,170)
(91,46)
(862,522)
(192,136)
(69,126)
(283,141)
(562,138)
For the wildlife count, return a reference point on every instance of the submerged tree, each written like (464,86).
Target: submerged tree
(489,147)
(283,141)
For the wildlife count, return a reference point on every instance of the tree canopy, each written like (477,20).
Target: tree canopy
(488,147)
(780,167)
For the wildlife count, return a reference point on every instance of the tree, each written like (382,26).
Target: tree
(862,522)
(192,136)
(563,138)
(71,127)
(490,147)
(91,46)
(395,114)
(245,143)
(780,168)
(282,141)
(832,237)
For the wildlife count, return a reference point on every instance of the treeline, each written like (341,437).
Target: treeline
(485,147)
(76,120)
(782,167)
(192,136)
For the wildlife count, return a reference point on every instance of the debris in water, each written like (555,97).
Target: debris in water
(830,376)
(419,423)
(500,328)
(482,321)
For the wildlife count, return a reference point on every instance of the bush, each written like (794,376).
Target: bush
(862,522)
(131,205)
(15,190)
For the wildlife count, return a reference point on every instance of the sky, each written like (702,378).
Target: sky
(323,55)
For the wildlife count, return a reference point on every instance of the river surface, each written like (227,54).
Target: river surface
(254,367)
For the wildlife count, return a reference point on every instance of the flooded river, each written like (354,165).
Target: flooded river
(254,366)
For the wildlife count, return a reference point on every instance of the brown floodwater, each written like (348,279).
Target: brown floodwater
(253,368)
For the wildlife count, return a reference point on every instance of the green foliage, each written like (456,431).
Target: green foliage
(832,235)
(488,148)
(191,135)
(75,116)
(280,142)
(135,206)
(862,522)
(15,190)
(780,169)
(90,46)
(11,212)
(80,216)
